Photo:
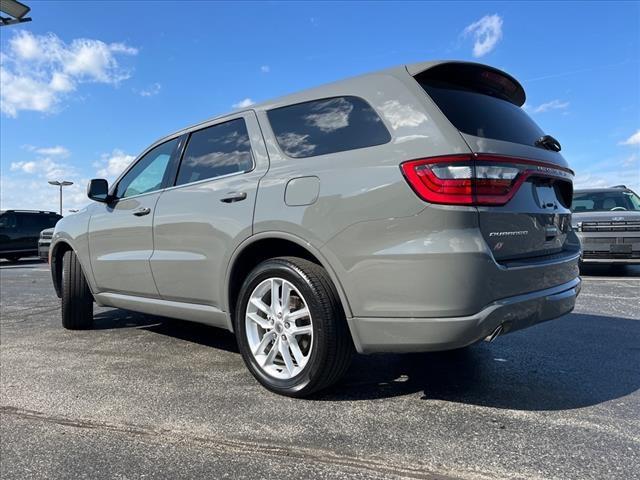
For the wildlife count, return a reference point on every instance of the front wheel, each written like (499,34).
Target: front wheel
(77,301)
(291,328)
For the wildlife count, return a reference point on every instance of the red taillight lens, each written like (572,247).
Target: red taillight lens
(474,180)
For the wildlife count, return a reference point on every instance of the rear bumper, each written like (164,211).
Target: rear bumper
(376,334)
(610,247)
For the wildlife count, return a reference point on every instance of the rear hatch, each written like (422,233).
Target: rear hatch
(518,180)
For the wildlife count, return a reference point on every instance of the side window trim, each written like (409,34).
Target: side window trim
(114,188)
(187,139)
(171,175)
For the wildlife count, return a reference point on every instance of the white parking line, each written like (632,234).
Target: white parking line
(606,279)
(30,267)
(597,295)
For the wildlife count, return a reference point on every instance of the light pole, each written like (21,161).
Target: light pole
(17,12)
(60,184)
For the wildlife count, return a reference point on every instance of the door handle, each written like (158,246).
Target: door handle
(142,212)
(234,197)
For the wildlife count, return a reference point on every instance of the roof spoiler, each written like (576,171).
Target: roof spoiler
(473,76)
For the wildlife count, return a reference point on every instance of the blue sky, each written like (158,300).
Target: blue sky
(87,85)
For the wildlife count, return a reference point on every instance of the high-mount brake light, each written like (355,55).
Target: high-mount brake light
(476,179)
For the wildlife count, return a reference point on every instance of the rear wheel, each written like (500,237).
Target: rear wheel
(77,301)
(291,328)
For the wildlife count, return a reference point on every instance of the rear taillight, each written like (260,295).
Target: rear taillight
(475,179)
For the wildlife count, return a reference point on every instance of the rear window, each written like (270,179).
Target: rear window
(36,221)
(327,126)
(481,102)
(605,201)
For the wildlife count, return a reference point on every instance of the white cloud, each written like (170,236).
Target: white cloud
(487,32)
(151,90)
(27,186)
(44,168)
(631,160)
(58,150)
(402,115)
(36,71)
(41,196)
(295,144)
(330,115)
(113,164)
(265,68)
(547,106)
(609,172)
(26,167)
(633,139)
(247,102)
(608,179)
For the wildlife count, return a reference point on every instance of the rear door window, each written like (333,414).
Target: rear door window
(327,126)
(215,151)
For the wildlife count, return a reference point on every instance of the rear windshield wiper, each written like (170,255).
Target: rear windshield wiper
(548,142)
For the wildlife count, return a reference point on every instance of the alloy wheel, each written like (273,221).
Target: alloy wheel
(279,328)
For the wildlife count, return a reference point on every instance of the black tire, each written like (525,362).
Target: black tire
(77,301)
(332,345)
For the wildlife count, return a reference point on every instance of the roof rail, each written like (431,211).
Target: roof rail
(619,186)
(17,210)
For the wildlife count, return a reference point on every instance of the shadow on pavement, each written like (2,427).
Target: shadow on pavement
(182,330)
(27,262)
(613,270)
(574,362)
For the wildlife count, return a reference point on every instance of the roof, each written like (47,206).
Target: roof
(317,92)
(412,68)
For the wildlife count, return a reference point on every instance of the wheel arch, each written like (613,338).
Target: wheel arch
(262,246)
(57,252)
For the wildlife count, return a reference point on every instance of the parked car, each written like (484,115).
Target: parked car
(19,232)
(413,209)
(608,224)
(44,242)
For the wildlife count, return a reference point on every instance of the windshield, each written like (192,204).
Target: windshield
(616,201)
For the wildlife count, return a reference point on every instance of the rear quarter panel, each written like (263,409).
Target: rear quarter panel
(357,185)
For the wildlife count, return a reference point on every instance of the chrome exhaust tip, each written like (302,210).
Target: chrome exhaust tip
(492,336)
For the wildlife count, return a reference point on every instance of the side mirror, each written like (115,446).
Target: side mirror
(98,190)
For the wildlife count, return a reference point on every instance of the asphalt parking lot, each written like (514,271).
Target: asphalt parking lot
(147,397)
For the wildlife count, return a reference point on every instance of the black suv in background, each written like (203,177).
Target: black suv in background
(607,221)
(20,230)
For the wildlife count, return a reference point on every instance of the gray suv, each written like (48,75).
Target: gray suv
(417,208)
(608,224)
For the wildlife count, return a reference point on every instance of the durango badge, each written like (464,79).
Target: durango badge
(516,233)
